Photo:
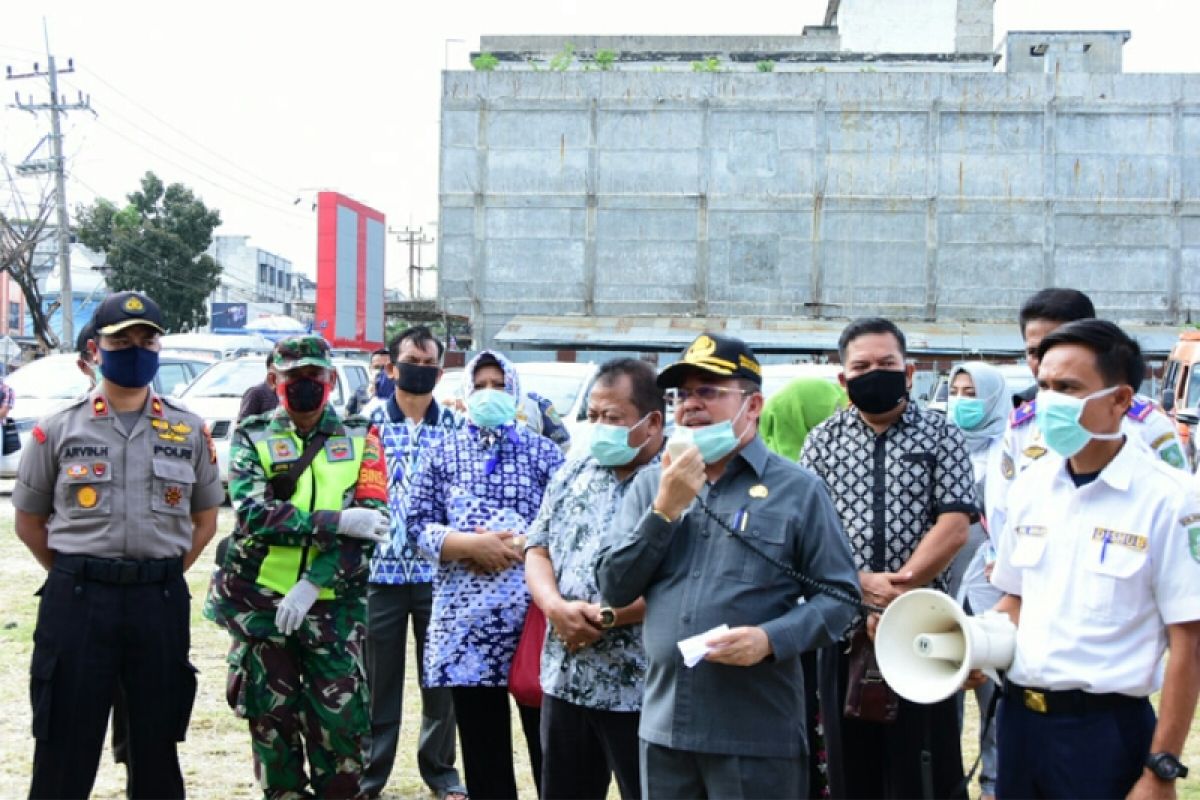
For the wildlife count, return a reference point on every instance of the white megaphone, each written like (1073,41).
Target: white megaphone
(926,645)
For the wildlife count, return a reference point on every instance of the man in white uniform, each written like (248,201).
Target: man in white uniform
(1100,562)
(1023,443)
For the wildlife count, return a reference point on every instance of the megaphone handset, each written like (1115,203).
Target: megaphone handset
(808,581)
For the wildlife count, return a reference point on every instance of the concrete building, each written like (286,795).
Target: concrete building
(856,35)
(252,274)
(578,206)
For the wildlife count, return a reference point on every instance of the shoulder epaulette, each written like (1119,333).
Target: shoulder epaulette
(176,405)
(1140,408)
(1022,414)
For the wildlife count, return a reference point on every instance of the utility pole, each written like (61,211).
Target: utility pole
(415,239)
(56,165)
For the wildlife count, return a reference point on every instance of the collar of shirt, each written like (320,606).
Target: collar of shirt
(105,409)
(1117,473)
(328,424)
(433,414)
(754,454)
(910,416)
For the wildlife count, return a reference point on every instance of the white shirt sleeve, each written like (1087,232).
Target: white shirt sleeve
(1177,565)
(1005,576)
(1159,434)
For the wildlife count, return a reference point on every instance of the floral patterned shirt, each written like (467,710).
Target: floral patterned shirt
(574,524)
(497,485)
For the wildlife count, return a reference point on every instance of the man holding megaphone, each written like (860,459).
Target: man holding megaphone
(903,485)
(1100,560)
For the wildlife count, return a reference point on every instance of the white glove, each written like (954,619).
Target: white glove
(295,605)
(364,523)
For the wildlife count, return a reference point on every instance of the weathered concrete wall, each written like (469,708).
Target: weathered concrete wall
(921,196)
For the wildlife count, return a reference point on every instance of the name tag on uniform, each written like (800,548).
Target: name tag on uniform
(339,448)
(282,449)
(1133,541)
(1030,530)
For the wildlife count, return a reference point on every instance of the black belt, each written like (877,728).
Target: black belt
(1066,701)
(119,571)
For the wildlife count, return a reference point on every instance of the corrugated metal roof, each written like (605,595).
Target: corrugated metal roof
(779,334)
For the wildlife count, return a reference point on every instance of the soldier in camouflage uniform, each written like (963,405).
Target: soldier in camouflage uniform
(292,587)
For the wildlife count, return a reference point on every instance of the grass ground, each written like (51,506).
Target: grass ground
(216,756)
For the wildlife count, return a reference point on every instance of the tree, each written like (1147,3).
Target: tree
(156,245)
(22,229)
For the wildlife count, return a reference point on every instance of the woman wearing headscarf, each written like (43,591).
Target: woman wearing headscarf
(468,513)
(979,405)
(796,409)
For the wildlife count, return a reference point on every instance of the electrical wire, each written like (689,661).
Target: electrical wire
(290,215)
(273,196)
(184,134)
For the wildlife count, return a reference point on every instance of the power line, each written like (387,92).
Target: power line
(55,165)
(291,215)
(238,284)
(185,135)
(274,197)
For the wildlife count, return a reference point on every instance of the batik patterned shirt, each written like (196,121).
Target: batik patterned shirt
(476,478)
(890,488)
(405,446)
(574,524)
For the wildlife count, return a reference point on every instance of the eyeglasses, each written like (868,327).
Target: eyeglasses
(706,394)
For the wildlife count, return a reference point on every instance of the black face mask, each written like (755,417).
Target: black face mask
(416,378)
(878,391)
(304,394)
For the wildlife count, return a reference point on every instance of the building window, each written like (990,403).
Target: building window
(262,273)
(14,316)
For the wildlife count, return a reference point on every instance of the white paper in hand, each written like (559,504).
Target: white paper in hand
(694,648)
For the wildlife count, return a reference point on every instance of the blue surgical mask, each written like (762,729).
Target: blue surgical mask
(966,412)
(1058,419)
(491,408)
(610,444)
(714,441)
(131,367)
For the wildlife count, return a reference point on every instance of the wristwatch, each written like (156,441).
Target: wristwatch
(1165,766)
(608,619)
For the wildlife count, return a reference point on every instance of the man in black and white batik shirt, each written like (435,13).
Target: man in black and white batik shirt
(902,482)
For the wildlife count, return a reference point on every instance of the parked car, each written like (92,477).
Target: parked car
(54,382)
(210,347)
(217,393)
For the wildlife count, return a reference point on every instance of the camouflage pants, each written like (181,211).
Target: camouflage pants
(305,693)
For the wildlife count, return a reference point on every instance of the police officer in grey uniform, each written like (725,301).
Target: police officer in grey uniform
(116,496)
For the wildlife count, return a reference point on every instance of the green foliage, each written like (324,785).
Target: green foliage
(605,59)
(766,65)
(156,245)
(712,64)
(562,60)
(485,62)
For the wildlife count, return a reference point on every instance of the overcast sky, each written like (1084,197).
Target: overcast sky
(256,104)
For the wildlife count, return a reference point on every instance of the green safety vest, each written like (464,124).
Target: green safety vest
(331,479)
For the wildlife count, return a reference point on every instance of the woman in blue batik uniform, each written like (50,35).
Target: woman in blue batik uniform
(468,512)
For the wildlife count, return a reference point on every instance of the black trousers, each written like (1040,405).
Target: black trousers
(582,748)
(388,611)
(894,760)
(1096,754)
(90,638)
(485,730)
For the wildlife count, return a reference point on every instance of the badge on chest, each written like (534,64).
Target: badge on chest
(339,448)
